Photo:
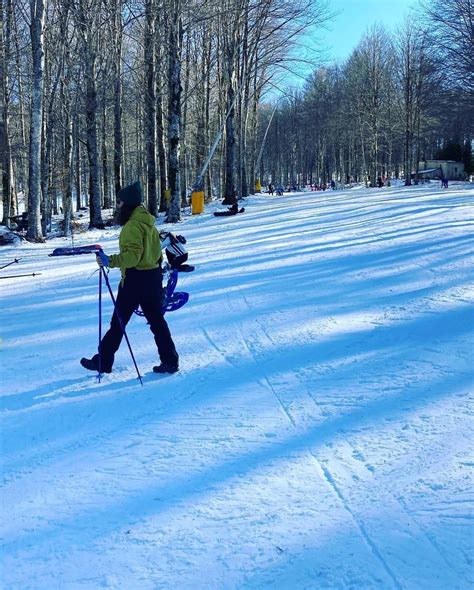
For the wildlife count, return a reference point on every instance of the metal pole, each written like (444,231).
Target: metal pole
(33,274)
(257,165)
(200,177)
(100,324)
(5,265)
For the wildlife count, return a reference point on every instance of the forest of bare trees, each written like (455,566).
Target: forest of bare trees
(196,95)
(400,98)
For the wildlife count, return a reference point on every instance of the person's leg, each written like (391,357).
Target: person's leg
(126,303)
(151,295)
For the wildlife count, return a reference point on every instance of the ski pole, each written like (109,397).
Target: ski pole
(33,274)
(100,324)
(5,265)
(107,282)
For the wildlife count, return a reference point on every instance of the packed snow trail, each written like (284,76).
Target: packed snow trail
(317,435)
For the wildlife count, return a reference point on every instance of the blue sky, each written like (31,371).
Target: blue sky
(347,28)
(339,37)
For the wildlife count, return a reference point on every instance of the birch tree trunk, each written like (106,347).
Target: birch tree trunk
(160,121)
(3,134)
(67,179)
(160,138)
(47,138)
(23,165)
(230,55)
(150,105)
(5,161)
(230,196)
(174,112)
(105,161)
(117,82)
(184,122)
(92,151)
(77,161)
(37,18)
(207,110)
(85,16)
(9,197)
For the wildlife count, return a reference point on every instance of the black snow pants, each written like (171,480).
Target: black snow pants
(142,288)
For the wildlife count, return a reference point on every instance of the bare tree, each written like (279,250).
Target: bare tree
(150,104)
(87,16)
(176,32)
(414,76)
(117,42)
(4,150)
(452,32)
(37,20)
(7,180)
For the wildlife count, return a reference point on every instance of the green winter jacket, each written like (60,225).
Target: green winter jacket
(139,242)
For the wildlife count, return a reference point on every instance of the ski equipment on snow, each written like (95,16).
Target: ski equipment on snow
(76,250)
(32,274)
(10,263)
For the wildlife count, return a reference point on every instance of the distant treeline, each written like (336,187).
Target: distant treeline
(97,93)
(399,99)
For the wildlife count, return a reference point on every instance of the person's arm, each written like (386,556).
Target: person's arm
(131,247)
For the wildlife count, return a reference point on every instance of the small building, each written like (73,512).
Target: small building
(449,169)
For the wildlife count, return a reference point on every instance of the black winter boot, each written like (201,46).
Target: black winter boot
(93,365)
(164,368)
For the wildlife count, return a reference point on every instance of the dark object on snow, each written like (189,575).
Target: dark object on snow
(76,250)
(32,274)
(444,182)
(10,263)
(164,368)
(7,236)
(93,365)
(233,210)
(21,221)
(185,268)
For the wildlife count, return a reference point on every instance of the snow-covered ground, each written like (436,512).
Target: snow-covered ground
(318,435)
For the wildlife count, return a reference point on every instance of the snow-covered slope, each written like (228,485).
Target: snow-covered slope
(318,435)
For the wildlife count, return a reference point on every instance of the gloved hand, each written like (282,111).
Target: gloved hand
(181,239)
(102,259)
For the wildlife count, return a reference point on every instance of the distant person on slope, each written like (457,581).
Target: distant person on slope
(139,260)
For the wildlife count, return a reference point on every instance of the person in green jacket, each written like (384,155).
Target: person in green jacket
(139,261)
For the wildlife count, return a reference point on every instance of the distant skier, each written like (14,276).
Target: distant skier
(270,189)
(139,260)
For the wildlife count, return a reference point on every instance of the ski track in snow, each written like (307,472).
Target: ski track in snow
(317,436)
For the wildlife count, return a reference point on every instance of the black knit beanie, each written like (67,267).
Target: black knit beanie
(131,195)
